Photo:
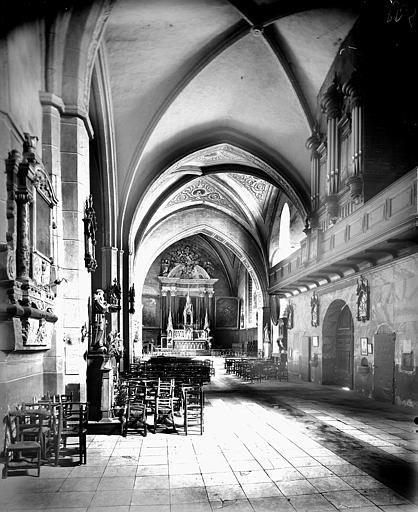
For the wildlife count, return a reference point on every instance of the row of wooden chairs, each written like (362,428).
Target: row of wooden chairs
(257,370)
(39,432)
(161,399)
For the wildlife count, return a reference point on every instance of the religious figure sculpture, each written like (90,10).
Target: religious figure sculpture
(100,308)
(314,310)
(266,334)
(188,312)
(115,293)
(362,299)
(289,315)
(170,328)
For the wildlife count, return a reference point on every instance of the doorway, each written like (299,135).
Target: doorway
(384,360)
(344,348)
(338,345)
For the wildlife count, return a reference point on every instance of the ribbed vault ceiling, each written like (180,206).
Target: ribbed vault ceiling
(189,75)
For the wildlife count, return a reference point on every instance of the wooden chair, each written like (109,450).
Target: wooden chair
(73,424)
(193,408)
(22,441)
(136,409)
(164,411)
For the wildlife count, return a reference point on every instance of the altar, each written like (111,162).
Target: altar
(187,308)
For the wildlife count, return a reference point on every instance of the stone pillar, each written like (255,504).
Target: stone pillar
(331,105)
(75,190)
(164,309)
(52,108)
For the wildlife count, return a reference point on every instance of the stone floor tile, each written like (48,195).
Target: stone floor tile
(123,461)
(120,471)
(116,483)
(193,480)
(347,499)
(311,503)
(329,483)
(302,461)
(183,469)
(399,508)
(225,492)
(271,504)
(296,488)
(149,508)
(145,497)
(56,471)
(152,482)
(252,477)
(27,501)
(363,482)
(151,470)
(191,507)
(80,484)
(227,478)
(188,495)
(262,490)
(111,498)
(130,451)
(155,460)
(345,469)
(244,465)
(314,471)
(232,505)
(87,471)
(384,497)
(96,461)
(330,460)
(117,508)
(284,474)
(70,499)
(66,509)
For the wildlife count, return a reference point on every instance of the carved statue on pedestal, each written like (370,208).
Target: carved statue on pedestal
(100,308)
(188,312)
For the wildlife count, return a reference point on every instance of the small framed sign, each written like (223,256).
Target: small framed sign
(315,341)
(369,348)
(364,346)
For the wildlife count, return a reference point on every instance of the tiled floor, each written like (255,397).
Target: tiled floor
(270,446)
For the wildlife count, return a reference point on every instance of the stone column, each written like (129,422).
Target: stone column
(75,190)
(52,109)
(164,309)
(331,105)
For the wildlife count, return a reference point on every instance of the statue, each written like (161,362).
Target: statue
(131,300)
(170,328)
(115,293)
(188,312)
(362,299)
(314,310)
(266,334)
(206,325)
(100,308)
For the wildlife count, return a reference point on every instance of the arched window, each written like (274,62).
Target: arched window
(285,248)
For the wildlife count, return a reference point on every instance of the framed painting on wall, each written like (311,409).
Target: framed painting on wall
(227,310)
(364,346)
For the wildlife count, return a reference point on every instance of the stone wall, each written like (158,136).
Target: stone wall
(393,292)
